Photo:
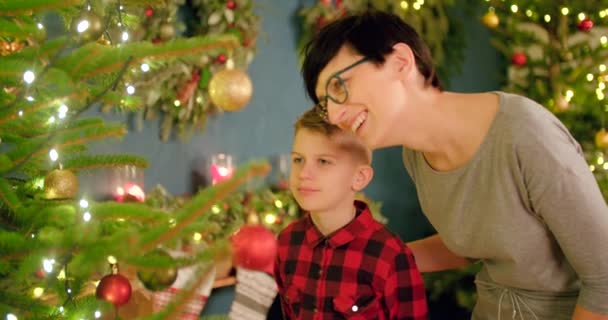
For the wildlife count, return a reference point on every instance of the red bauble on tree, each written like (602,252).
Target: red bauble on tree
(254,247)
(221,58)
(231,5)
(149,12)
(519,59)
(585,25)
(115,289)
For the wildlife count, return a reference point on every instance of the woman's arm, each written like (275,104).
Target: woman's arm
(431,255)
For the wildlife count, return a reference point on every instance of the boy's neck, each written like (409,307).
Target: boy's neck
(332,220)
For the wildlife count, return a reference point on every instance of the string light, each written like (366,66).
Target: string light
(112,260)
(86,216)
(20,113)
(197,236)
(52,120)
(29,76)
(514,8)
(40,26)
(565,11)
(47,265)
(63,111)
(130,89)
(270,218)
(177,103)
(11,316)
(54,155)
(404,5)
(590,77)
(581,16)
(529,13)
(97,314)
(84,203)
(547,18)
(29,98)
(125,36)
(145,67)
(38,292)
(278,203)
(215,209)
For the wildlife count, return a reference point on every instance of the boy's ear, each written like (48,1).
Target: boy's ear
(363,175)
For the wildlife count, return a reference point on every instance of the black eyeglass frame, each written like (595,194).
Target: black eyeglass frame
(322,105)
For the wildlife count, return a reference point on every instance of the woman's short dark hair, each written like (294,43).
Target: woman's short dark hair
(373,35)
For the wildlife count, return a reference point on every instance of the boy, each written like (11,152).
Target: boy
(337,262)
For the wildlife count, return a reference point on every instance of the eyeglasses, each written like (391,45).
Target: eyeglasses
(335,90)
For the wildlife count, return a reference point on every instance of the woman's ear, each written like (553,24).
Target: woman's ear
(402,57)
(363,176)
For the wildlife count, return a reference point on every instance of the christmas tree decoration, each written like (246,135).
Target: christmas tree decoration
(156,280)
(519,59)
(585,25)
(254,248)
(114,288)
(444,35)
(88,26)
(491,20)
(231,90)
(61,184)
(168,90)
(601,139)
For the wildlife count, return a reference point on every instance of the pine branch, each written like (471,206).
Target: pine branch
(89,105)
(8,195)
(205,199)
(103,161)
(27,7)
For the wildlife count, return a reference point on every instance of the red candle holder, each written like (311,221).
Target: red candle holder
(128,184)
(221,167)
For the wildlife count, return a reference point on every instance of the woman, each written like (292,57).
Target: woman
(499,177)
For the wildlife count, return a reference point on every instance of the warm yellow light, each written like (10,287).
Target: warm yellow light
(581,16)
(112,260)
(565,11)
(270,218)
(278,204)
(38,292)
(197,236)
(590,77)
(215,209)
(514,8)
(547,18)
(404,5)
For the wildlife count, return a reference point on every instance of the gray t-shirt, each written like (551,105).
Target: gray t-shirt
(528,208)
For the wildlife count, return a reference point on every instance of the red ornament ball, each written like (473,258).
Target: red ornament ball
(585,25)
(115,289)
(254,247)
(221,58)
(149,12)
(519,59)
(231,5)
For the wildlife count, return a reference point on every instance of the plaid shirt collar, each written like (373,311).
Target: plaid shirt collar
(356,228)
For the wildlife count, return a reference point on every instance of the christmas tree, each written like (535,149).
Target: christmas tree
(59,249)
(557,54)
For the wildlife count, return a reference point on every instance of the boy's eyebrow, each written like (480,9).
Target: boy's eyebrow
(329,155)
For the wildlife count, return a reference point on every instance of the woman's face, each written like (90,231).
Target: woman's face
(375,99)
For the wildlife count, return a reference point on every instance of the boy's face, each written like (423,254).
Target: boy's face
(323,175)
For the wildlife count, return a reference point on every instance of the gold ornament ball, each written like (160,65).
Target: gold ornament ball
(601,139)
(491,20)
(167,31)
(61,184)
(95,26)
(230,89)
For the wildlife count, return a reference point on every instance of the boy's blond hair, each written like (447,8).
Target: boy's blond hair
(313,121)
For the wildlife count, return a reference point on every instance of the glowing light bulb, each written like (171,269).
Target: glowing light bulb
(54,155)
(84,203)
(29,76)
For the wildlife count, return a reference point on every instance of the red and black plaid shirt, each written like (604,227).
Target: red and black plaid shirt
(362,271)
